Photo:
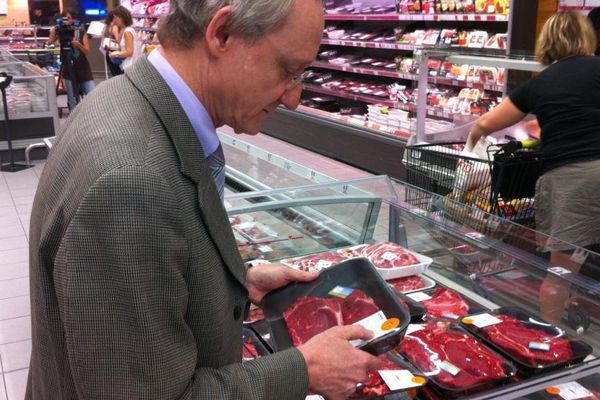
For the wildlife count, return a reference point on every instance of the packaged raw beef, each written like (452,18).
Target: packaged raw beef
(315,262)
(350,292)
(445,303)
(455,362)
(411,283)
(252,346)
(533,345)
(389,255)
(407,377)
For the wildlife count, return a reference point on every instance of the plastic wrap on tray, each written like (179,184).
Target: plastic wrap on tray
(455,362)
(441,303)
(315,262)
(402,377)
(252,346)
(532,344)
(413,283)
(351,292)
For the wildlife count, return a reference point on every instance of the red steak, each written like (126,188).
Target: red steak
(408,283)
(430,347)
(514,337)
(315,262)
(376,386)
(446,302)
(249,351)
(389,255)
(357,306)
(309,316)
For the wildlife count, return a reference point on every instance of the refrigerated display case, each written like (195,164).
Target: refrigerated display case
(31,100)
(492,264)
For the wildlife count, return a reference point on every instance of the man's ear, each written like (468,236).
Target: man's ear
(217,32)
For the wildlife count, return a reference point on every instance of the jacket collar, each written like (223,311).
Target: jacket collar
(191,159)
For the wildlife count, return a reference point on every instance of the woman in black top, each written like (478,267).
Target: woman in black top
(565,98)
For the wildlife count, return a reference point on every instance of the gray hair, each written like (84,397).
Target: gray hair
(187,20)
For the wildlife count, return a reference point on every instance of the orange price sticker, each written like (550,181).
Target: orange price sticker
(390,324)
(553,390)
(467,320)
(419,380)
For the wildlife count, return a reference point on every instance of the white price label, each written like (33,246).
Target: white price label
(379,324)
(254,263)
(245,226)
(482,320)
(419,296)
(389,256)
(448,367)
(401,379)
(265,249)
(559,271)
(414,328)
(322,264)
(314,397)
(474,235)
(539,346)
(573,391)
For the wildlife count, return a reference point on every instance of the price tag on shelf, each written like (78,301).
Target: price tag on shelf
(559,271)
(419,296)
(474,235)
(572,391)
(481,320)
(401,379)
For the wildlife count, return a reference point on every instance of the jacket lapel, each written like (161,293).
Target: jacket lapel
(191,158)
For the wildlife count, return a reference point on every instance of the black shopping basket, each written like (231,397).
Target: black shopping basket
(503,185)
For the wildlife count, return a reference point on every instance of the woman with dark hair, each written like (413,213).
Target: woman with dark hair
(129,48)
(112,37)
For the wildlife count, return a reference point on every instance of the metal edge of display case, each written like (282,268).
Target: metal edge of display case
(534,385)
(362,148)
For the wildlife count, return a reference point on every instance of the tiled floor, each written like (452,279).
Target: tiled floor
(16,198)
(17,191)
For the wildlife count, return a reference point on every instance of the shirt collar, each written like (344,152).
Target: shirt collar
(192,106)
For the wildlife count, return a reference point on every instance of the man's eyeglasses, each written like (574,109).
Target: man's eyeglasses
(297,80)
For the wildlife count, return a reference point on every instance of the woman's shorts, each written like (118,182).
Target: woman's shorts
(567,206)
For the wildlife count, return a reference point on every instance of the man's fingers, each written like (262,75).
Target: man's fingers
(352,332)
(373,363)
(296,275)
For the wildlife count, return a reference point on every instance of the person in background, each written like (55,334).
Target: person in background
(38,17)
(77,77)
(129,50)
(138,290)
(110,42)
(594,17)
(565,97)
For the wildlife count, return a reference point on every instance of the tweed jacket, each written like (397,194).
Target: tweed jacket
(137,287)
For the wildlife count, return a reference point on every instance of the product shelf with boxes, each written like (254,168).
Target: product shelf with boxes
(375,46)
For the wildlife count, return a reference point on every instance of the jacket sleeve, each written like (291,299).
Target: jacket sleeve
(120,281)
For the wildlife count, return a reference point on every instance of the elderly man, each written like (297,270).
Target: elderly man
(137,288)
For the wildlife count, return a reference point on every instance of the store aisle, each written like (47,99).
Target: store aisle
(16,198)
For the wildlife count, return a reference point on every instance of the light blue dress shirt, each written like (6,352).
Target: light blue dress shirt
(193,108)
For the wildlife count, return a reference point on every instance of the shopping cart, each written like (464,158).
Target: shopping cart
(502,185)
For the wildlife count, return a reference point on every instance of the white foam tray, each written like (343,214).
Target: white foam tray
(401,272)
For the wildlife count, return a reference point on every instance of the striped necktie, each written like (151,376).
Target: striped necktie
(216,164)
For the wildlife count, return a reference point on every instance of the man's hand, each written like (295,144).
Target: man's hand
(335,367)
(264,278)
